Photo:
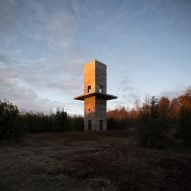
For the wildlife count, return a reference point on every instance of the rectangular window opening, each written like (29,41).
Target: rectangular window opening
(89,89)
(100,90)
(101,124)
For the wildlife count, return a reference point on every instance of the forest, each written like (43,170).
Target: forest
(156,122)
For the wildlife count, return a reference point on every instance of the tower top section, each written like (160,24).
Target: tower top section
(95,77)
(95,81)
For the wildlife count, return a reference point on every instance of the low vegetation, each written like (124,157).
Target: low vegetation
(147,148)
(157,122)
(10,126)
(14,124)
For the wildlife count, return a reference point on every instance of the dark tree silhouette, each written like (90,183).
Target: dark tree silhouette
(10,126)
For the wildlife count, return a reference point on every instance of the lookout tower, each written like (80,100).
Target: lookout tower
(95,96)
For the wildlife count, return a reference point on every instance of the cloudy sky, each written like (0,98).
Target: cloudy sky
(146,45)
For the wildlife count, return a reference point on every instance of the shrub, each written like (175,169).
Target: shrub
(184,120)
(76,123)
(151,126)
(62,122)
(114,124)
(10,126)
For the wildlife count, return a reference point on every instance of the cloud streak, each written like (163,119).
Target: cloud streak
(51,59)
(44,44)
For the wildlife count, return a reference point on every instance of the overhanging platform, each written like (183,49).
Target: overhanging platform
(104,96)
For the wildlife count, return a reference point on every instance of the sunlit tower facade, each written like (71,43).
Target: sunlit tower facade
(95,96)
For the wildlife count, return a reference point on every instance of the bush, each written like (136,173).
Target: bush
(114,124)
(76,123)
(58,122)
(36,122)
(184,127)
(184,120)
(10,123)
(62,122)
(151,126)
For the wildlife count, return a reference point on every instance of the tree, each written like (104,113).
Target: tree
(151,129)
(164,106)
(118,119)
(62,121)
(184,126)
(10,127)
(174,110)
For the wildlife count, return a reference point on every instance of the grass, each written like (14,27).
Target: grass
(91,161)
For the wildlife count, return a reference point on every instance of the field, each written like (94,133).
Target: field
(91,161)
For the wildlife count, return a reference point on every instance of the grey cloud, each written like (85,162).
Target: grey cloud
(15,88)
(170,94)
(130,94)
(8,77)
(60,67)
(19,85)
(26,98)
(8,15)
(4,59)
(41,76)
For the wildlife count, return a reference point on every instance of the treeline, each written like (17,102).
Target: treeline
(58,122)
(14,124)
(157,121)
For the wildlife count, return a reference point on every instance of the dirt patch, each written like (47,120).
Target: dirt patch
(91,161)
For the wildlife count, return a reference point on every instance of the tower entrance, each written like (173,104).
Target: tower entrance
(89,124)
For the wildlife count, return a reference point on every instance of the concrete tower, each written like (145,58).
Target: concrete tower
(95,96)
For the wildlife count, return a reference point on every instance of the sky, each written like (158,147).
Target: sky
(146,45)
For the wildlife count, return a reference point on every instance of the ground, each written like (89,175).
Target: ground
(91,161)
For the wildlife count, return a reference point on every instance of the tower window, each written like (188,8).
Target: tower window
(100,90)
(89,89)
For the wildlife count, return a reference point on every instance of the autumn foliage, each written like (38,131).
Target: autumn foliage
(155,122)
